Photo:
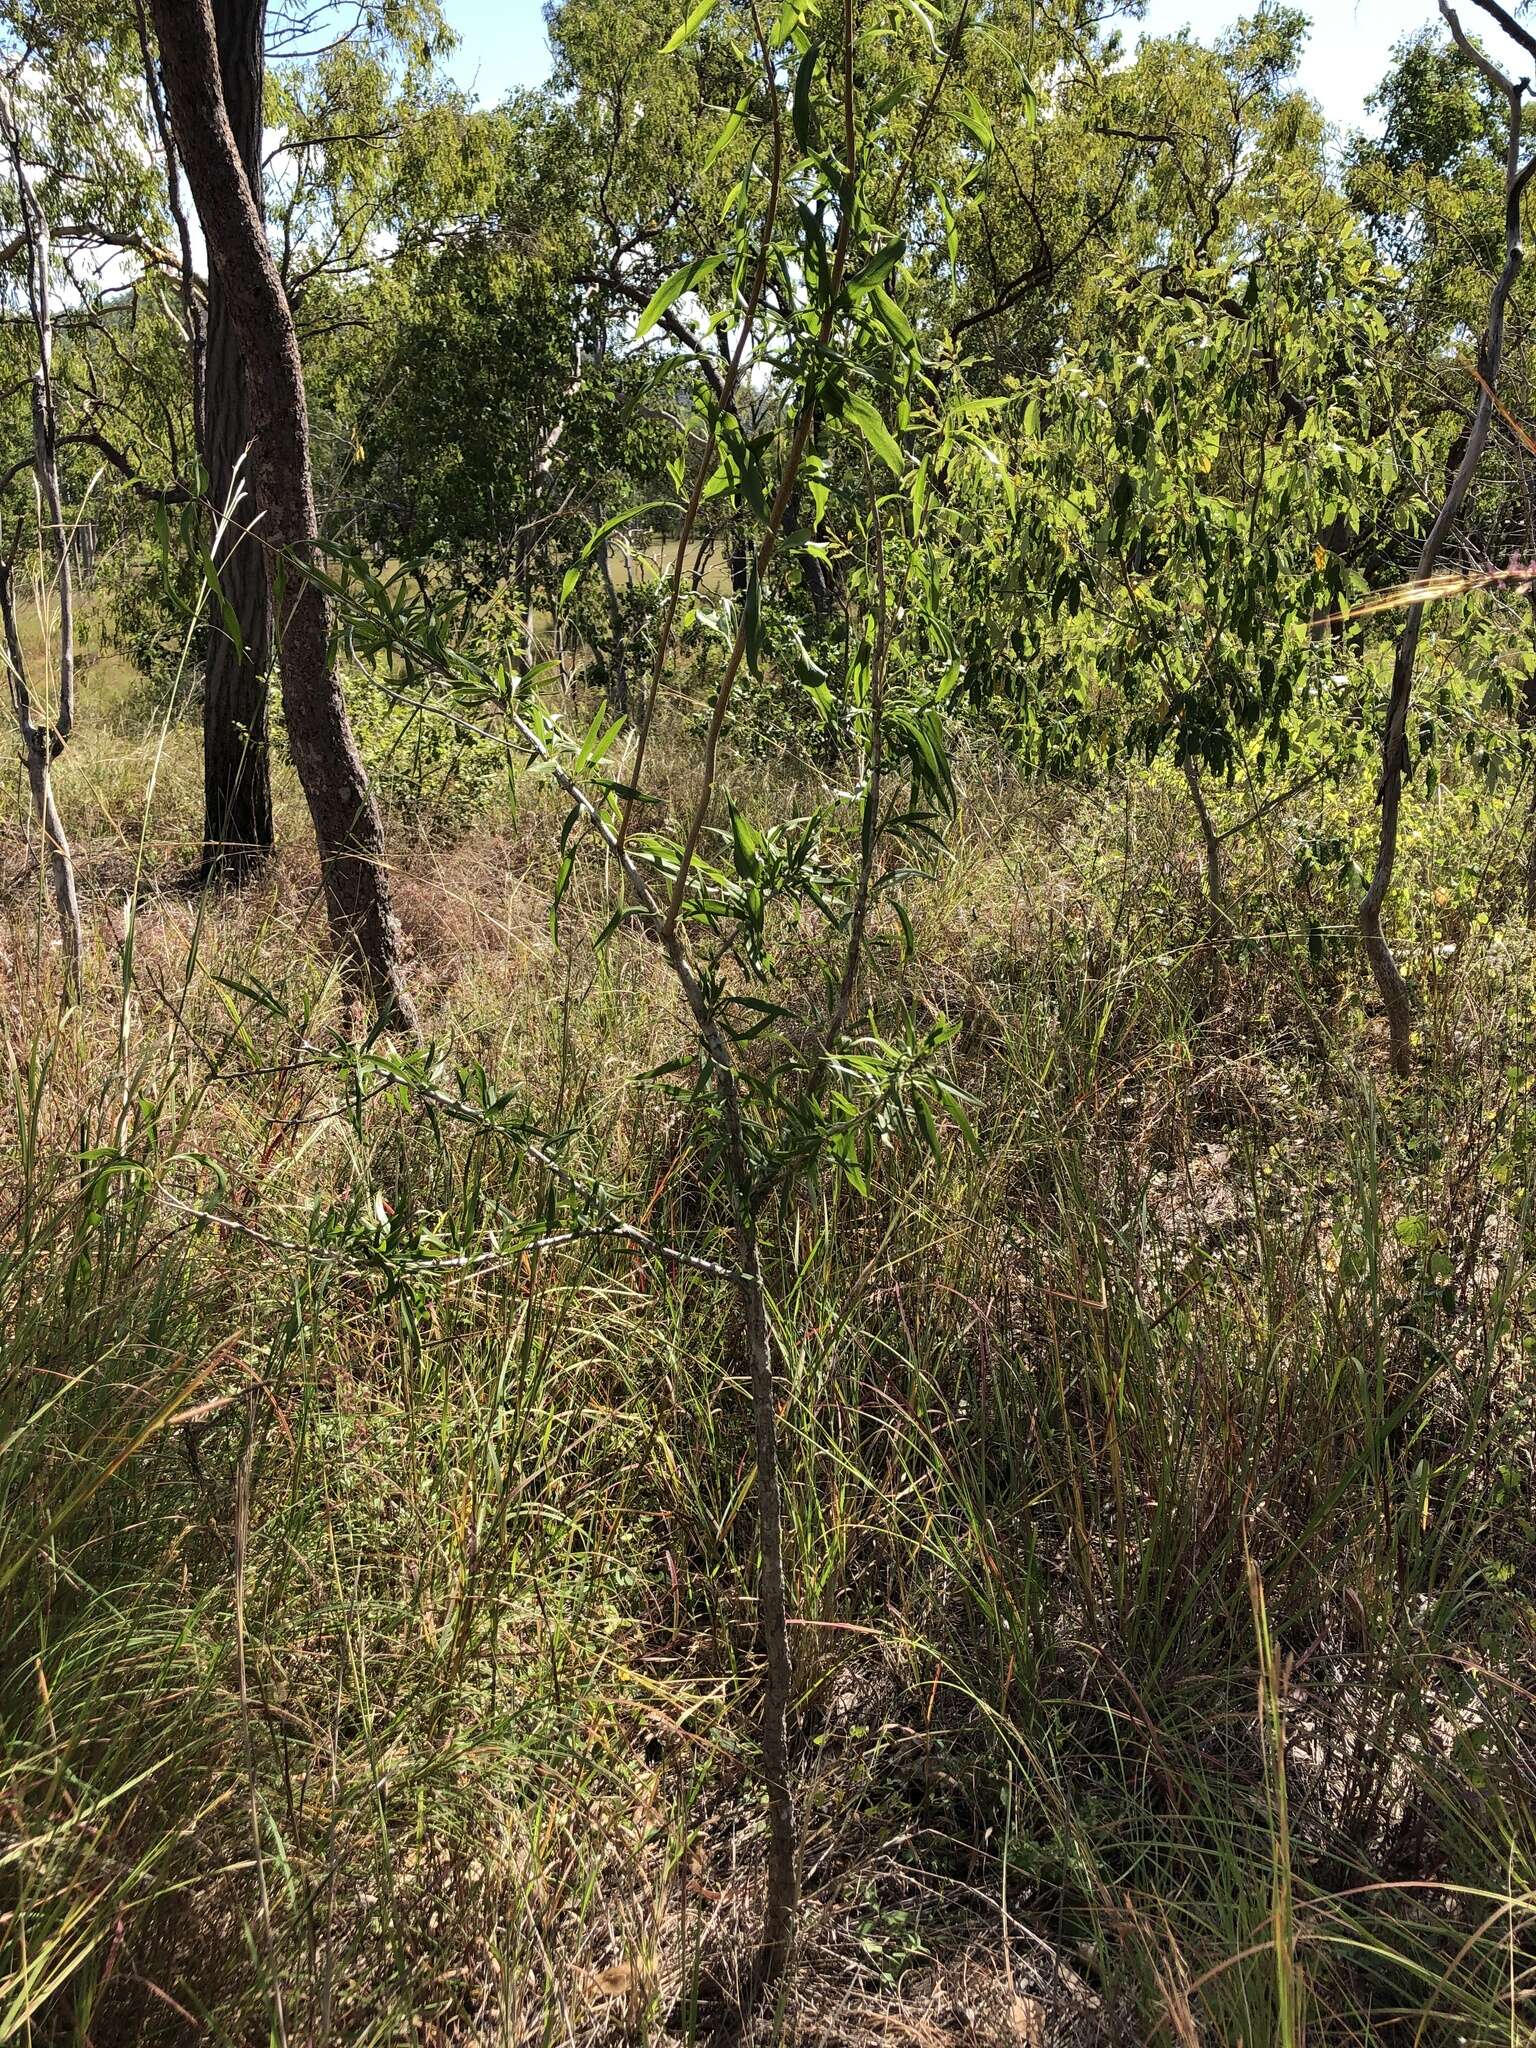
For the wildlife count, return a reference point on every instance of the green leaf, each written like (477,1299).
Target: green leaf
(892,317)
(668,293)
(727,135)
(573,575)
(753,608)
(930,1129)
(951,230)
(973,119)
(801,113)
(696,19)
(557,895)
(867,419)
(745,843)
(788,19)
(879,266)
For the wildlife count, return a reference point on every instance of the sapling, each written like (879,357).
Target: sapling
(43,739)
(777,1093)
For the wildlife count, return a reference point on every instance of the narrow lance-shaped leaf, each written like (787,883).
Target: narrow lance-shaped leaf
(667,294)
(695,21)
(573,575)
(866,417)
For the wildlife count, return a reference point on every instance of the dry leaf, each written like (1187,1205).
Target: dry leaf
(1026,2022)
(617,1981)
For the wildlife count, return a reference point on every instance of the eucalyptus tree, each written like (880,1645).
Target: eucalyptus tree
(1194,468)
(161,427)
(77,101)
(74,67)
(490,404)
(484,411)
(359,117)
(1429,190)
(353,862)
(1103,155)
(237,775)
(318,134)
(78,238)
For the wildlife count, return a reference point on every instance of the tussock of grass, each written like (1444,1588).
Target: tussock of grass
(377,1663)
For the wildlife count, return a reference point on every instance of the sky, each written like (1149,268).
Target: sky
(502,42)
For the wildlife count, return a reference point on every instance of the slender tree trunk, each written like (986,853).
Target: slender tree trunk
(616,668)
(45,446)
(1526,715)
(330,769)
(237,779)
(38,749)
(191,311)
(1215,870)
(1397,998)
(42,742)
(781,1897)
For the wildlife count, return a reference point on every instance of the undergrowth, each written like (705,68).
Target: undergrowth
(376,1647)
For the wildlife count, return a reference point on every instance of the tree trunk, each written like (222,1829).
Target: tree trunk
(1526,716)
(330,769)
(237,781)
(781,1897)
(42,742)
(1217,919)
(191,311)
(616,692)
(39,744)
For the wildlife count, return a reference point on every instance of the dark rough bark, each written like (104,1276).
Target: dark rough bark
(330,769)
(237,782)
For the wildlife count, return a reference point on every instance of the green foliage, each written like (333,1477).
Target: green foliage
(436,771)
(841,1144)
(1181,513)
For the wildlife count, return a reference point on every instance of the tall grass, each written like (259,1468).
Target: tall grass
(376,1658)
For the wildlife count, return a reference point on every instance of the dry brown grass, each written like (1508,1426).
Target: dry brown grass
(1046,1402)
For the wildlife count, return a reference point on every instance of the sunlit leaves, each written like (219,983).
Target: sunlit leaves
(696,19)
(683,280)
(1182,485)
(863,414)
